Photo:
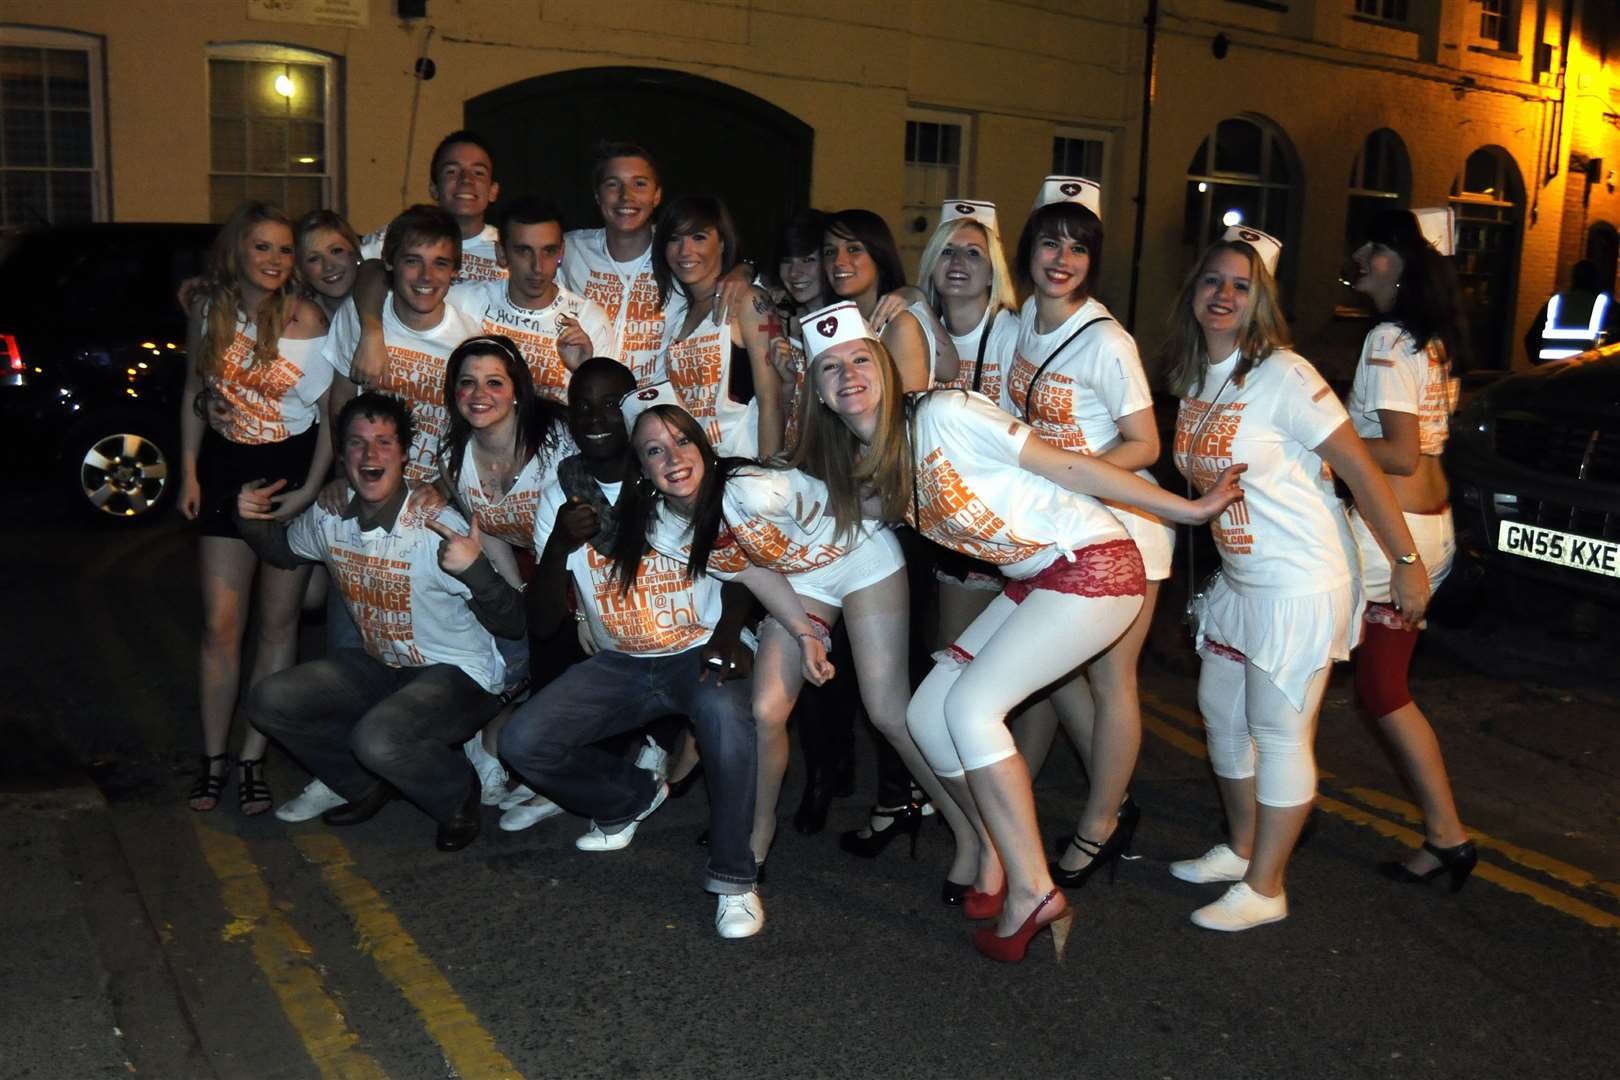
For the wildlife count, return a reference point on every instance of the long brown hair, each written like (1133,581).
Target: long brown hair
(224,296)
(1264,329)
(829,451)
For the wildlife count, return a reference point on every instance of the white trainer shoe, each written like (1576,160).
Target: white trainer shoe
(1241,908)
(521,816)
(1219,863)
(315,800)
(654,758)
(491,773)
(597,840)
(520,794)
(739,915)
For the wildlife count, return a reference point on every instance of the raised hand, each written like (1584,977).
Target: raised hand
(456,551)
(425,499)
(576,523)
(334,496)
(572,342)
(370,361)
(256,501)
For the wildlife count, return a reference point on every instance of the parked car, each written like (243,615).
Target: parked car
(1534,459)
(93,361)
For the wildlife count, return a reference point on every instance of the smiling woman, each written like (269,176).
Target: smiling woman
(254,402)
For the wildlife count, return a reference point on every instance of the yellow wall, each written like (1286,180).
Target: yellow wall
(850,69)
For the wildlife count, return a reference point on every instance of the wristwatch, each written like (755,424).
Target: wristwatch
(1408,559)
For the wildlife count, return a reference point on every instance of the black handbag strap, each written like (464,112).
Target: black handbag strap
(1029,392)
(984,342)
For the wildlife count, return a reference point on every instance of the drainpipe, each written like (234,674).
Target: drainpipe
(1149,72)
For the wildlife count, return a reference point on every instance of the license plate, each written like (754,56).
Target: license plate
(1565,549)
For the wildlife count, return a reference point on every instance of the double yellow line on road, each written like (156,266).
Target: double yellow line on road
(1173,725)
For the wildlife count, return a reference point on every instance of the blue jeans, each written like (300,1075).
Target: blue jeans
(551,741)
(351,719)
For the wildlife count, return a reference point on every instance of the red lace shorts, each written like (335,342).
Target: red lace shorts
(1112,568)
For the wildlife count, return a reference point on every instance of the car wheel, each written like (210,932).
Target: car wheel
(118,468)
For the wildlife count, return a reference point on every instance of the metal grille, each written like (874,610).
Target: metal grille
(1562,447)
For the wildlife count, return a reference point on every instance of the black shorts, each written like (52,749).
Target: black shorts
(224,466)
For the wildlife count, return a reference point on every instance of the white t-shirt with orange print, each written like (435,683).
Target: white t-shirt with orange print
(781,519)
(628,294)
(535,330)
(1395,373)
(663,613)
(975,498)
(1288,536)
(998,354)
(415,373)
(1094,380)
(510,517)
(409,611)
(267,401)
(478,261)
(699,368)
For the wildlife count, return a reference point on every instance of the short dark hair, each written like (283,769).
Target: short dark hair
(374,405)
(528,210)
(422,223)
(606,368)
(1062,221)
(1584,275)
(472,138)
(688,214)
(873,233)
(608,149)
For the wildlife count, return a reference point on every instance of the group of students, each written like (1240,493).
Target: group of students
(573,469)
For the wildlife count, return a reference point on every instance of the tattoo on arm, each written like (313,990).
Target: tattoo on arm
(761,308)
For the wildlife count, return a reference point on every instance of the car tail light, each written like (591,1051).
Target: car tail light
(9,356)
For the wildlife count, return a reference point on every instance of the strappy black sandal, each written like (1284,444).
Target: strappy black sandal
(252,793)
(210,785)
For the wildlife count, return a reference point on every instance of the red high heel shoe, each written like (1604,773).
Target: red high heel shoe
(984,905)
(1011,949)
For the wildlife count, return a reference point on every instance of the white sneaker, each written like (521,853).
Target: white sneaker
(1219,863)
(521,816)
(517,796)
(491,773)
(739,915)
(315,800)
(1241,908)
(597,840)
(654,758)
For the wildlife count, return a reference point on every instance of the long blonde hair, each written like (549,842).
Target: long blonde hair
(1264,329)
(1002,295)
(224,296)
(829,451)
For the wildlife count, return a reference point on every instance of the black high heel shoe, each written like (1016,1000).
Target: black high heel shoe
(1130,815)
(1108,853)
(905,819)
(678,788)
(820,788)
(1457,861)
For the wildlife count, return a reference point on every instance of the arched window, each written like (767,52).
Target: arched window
(272,128)
(1380,179)
(1489,198)
(1244,172)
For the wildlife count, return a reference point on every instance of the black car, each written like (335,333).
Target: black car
(93,360)
(1534,459)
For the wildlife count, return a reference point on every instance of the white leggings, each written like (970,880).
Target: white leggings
(1245,713)
(958,715)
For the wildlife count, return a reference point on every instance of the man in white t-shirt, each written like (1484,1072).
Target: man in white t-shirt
(417,328)
(461,180)
(612,266)
(660,648)
(556,330)
(390,717)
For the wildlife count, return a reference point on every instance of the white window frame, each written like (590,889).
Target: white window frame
(1107,140)
(910,242)
(271,51)
(91,44)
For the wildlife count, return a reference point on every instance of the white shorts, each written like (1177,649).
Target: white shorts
(1155,539)
(867,563)
(1436,545)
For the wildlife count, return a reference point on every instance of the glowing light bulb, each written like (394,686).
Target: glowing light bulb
(1202,187)
(1232,217)
(284,86)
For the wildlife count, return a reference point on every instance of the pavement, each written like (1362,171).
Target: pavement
(143,939)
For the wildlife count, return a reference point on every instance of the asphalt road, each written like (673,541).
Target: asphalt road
(144,939)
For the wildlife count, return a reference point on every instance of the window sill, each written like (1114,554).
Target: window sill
(1266,5)
(1491,50)
(1383,24)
